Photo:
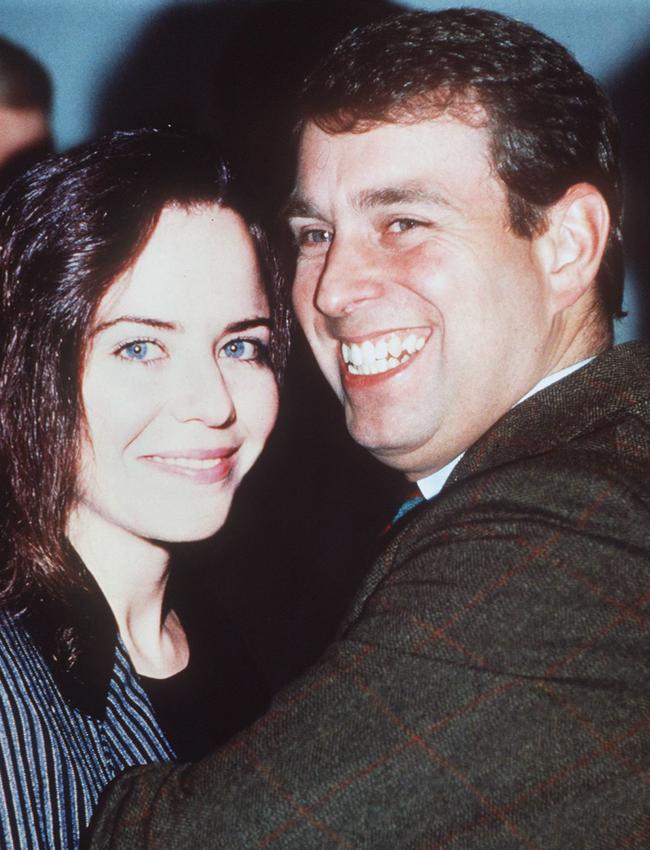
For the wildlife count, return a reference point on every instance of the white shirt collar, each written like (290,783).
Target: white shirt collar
(433,484)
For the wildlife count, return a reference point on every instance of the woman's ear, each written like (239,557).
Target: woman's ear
(573,243)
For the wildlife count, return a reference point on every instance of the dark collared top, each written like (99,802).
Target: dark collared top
(74,713)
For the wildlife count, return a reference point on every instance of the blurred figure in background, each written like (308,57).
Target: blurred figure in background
(25,108)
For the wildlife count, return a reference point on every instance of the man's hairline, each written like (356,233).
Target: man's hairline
(402,115)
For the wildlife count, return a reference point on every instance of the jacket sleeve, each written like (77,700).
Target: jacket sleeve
(490,692)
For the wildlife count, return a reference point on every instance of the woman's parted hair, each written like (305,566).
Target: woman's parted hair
(68,228)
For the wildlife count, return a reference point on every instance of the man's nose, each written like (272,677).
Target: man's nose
(203,395)
(350,277)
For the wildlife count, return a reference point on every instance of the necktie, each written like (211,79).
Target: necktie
(413,498)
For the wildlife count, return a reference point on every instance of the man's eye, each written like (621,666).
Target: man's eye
(400,225)
(243,349)
(315,236)
(140,351)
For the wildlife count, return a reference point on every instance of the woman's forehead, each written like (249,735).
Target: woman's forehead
(197,260)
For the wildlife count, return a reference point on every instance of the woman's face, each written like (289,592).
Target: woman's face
(178,393)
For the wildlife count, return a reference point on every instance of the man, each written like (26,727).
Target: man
(457,212)
(25,106)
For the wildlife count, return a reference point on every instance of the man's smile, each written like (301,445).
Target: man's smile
(382,353)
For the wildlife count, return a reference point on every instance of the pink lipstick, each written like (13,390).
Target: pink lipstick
(203,466)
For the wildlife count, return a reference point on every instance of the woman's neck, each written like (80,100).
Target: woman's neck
(132,573)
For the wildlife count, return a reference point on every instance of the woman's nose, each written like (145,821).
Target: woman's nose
(203,396)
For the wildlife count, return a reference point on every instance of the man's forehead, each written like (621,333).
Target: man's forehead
(386,163)
(315,136)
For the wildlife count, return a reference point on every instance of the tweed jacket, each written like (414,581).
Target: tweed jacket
(490,689)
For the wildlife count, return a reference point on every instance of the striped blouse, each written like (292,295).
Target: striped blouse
(63,737)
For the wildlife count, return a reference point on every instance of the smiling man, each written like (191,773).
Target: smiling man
(428,313)
(457,216)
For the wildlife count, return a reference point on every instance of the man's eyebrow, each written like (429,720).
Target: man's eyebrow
(384,196)
(298,207)
(408,193)
(136,320)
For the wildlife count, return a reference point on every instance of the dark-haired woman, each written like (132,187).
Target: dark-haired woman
(138,352)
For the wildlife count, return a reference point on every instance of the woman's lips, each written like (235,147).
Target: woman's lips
(203,466)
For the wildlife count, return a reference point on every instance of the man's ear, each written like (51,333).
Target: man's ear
(572,246)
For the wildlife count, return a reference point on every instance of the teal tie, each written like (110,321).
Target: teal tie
(414,499)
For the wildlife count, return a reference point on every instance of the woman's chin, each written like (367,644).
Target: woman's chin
(190,531)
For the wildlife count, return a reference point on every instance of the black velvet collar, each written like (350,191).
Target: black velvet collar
(77,635)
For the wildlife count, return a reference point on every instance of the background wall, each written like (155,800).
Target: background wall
(305,522)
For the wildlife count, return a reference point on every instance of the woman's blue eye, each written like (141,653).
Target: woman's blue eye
(236,348)
(242,349)
(140,351)
(136,350)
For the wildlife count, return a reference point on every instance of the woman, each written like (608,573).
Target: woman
(140,338)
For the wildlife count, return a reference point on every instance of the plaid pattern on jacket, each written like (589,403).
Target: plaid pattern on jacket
(490,689)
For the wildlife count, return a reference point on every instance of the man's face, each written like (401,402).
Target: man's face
(427,315)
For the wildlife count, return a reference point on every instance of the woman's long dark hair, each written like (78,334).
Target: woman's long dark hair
(68,228)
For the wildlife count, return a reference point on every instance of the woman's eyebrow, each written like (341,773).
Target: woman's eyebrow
(136,320)
(246,324)
(233,327)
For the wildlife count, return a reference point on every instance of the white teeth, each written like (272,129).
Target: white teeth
(187,462)
(381,350)
(368,351)
(373,357)
(356,357)
(394,346)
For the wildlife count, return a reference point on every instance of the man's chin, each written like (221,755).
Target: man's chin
(389,448)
